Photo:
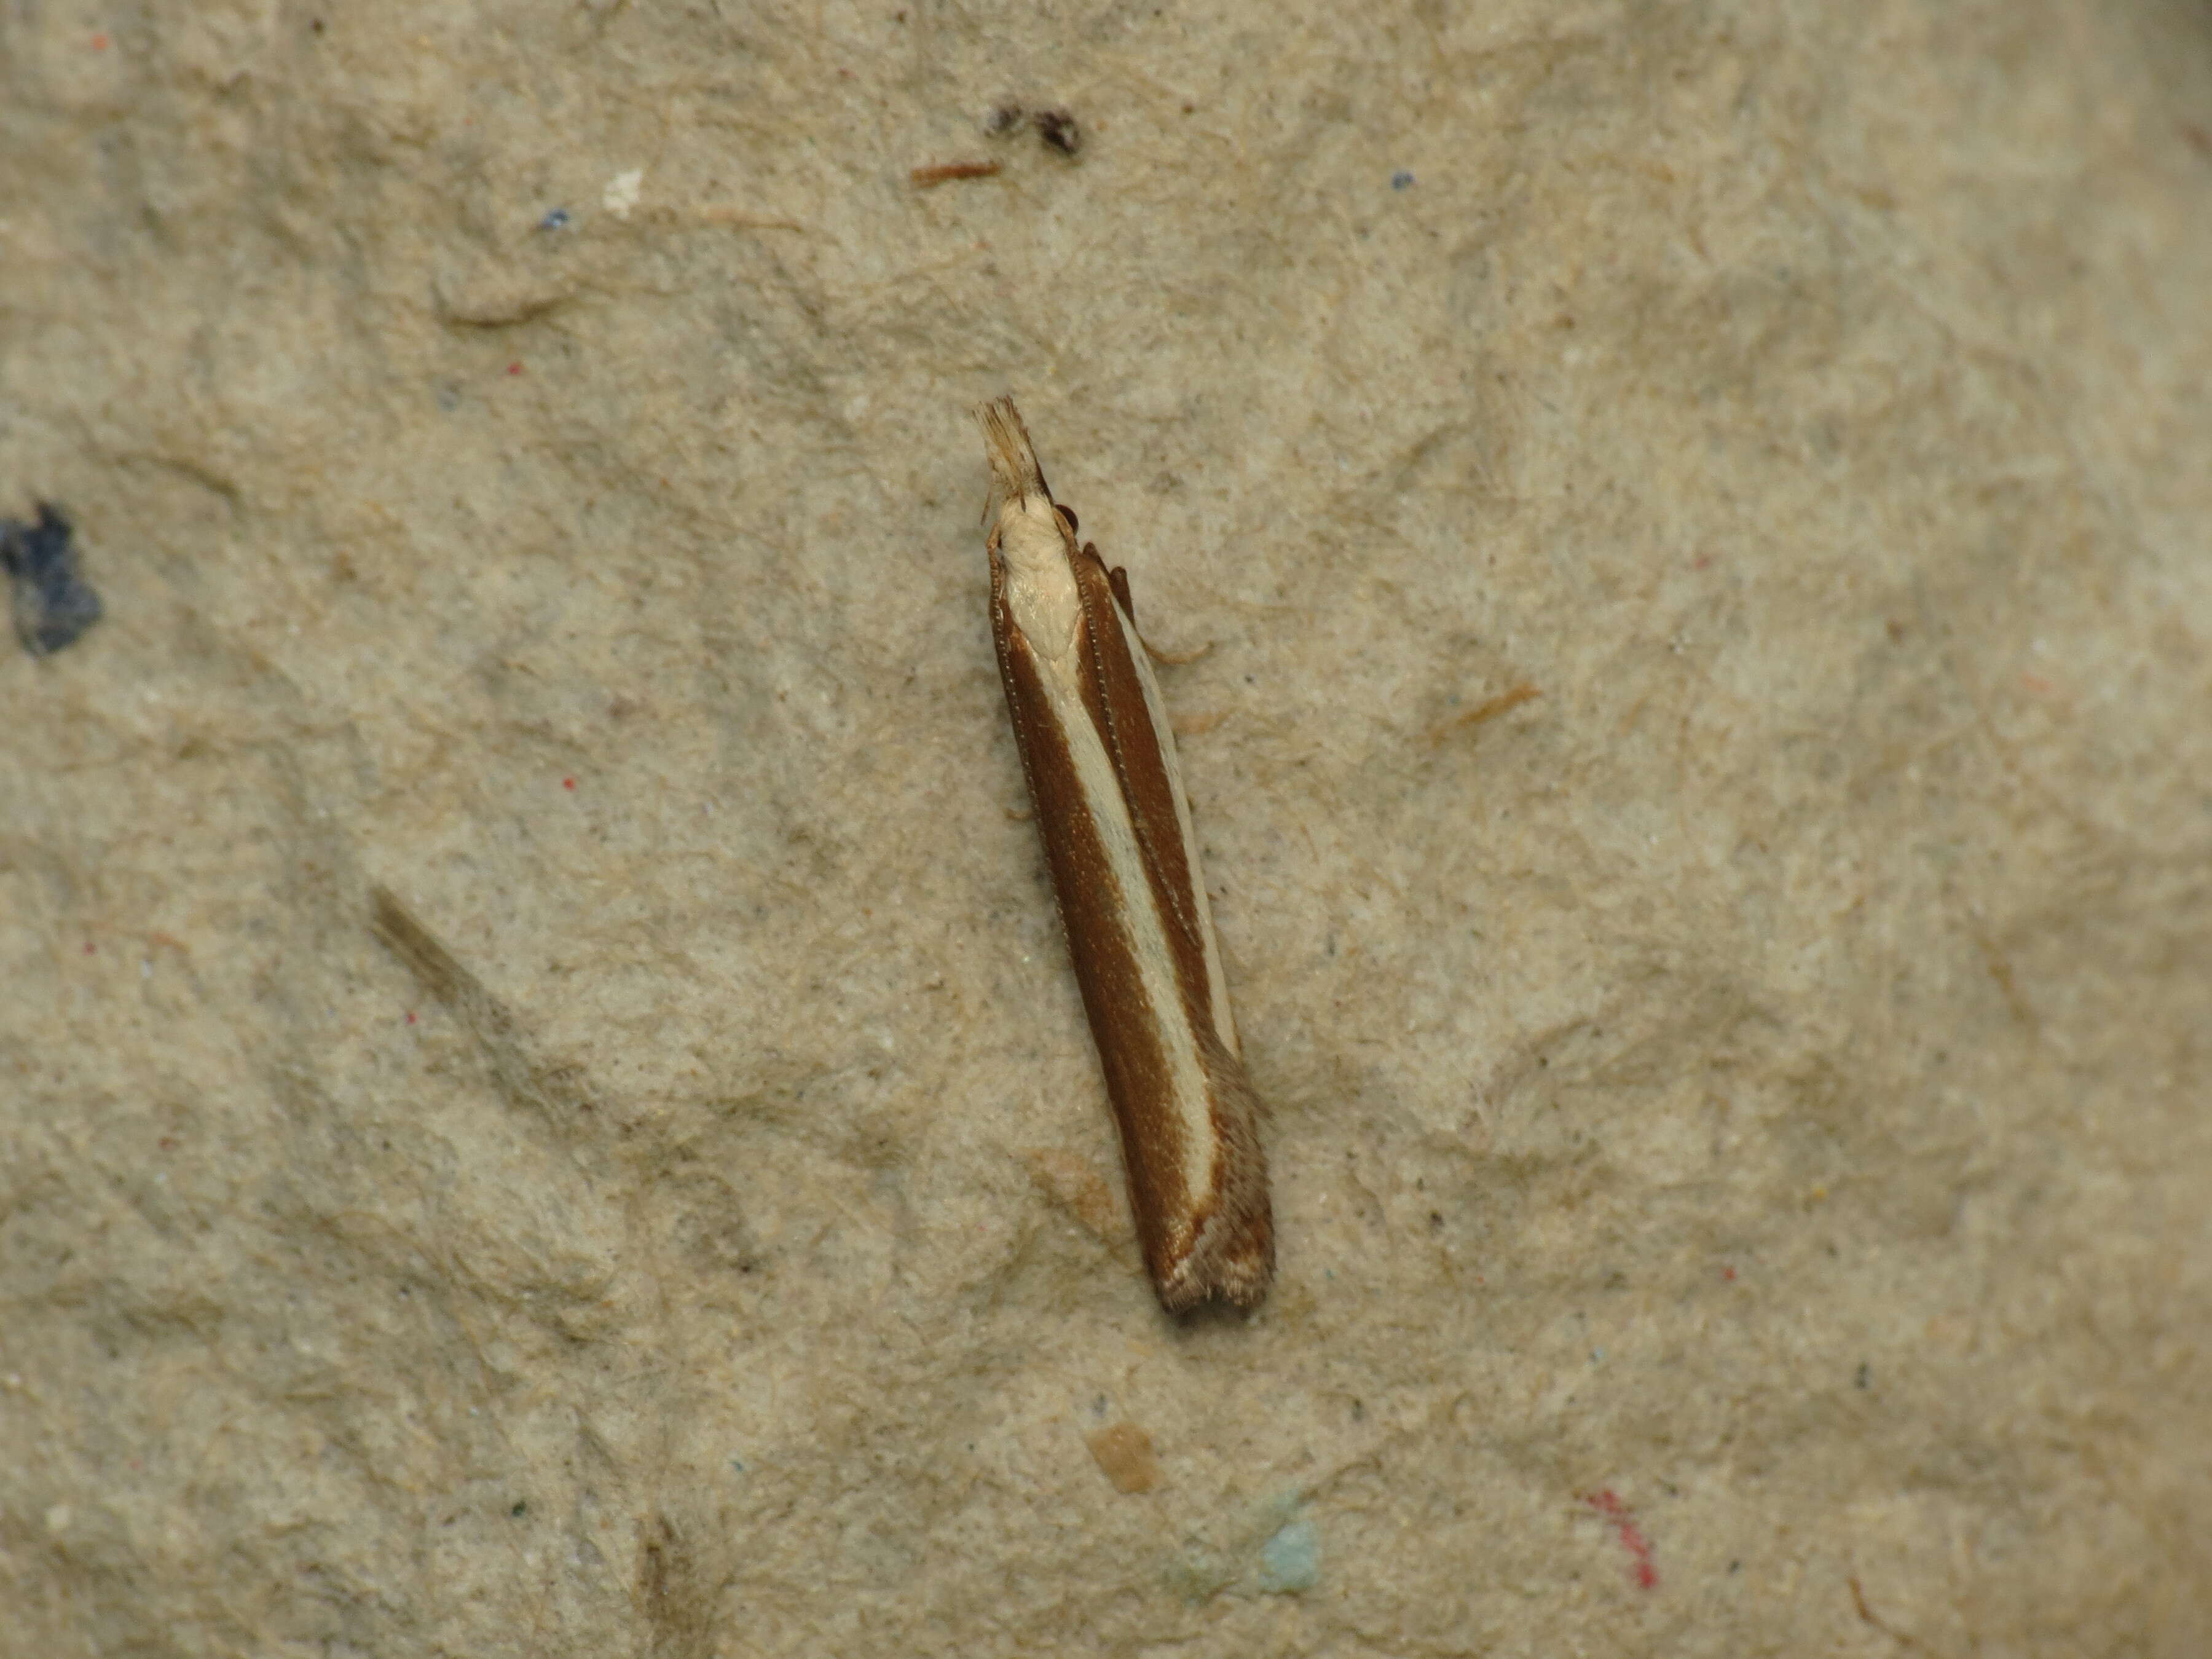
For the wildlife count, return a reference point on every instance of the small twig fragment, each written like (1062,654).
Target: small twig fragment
(736,218)
(944,171)
(500,1037)
(1488,709)
(1858,1600)
(438,970)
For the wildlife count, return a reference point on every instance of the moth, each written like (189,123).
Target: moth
(1101,763)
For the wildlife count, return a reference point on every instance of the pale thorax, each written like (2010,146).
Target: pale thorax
(1040,594)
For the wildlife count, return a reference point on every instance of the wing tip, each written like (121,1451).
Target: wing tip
(1238,1270)
(1231,1255)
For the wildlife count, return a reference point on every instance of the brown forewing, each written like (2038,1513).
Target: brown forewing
(1123,1023)
(1233,1224)
(1115,698)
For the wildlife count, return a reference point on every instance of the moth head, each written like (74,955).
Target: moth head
(1027,528)
(1014,469)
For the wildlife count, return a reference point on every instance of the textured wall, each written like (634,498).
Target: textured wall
(1739,1114)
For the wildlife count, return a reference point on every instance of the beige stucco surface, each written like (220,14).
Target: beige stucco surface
(1744,1103)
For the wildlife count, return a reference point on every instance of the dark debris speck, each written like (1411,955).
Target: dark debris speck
(1059,130)
(52,603)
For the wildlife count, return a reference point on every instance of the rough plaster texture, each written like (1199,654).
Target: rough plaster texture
(1739,1113)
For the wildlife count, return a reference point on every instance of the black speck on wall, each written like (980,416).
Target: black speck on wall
(51,602)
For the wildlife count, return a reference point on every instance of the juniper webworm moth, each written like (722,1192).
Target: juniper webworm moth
(1101,762)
